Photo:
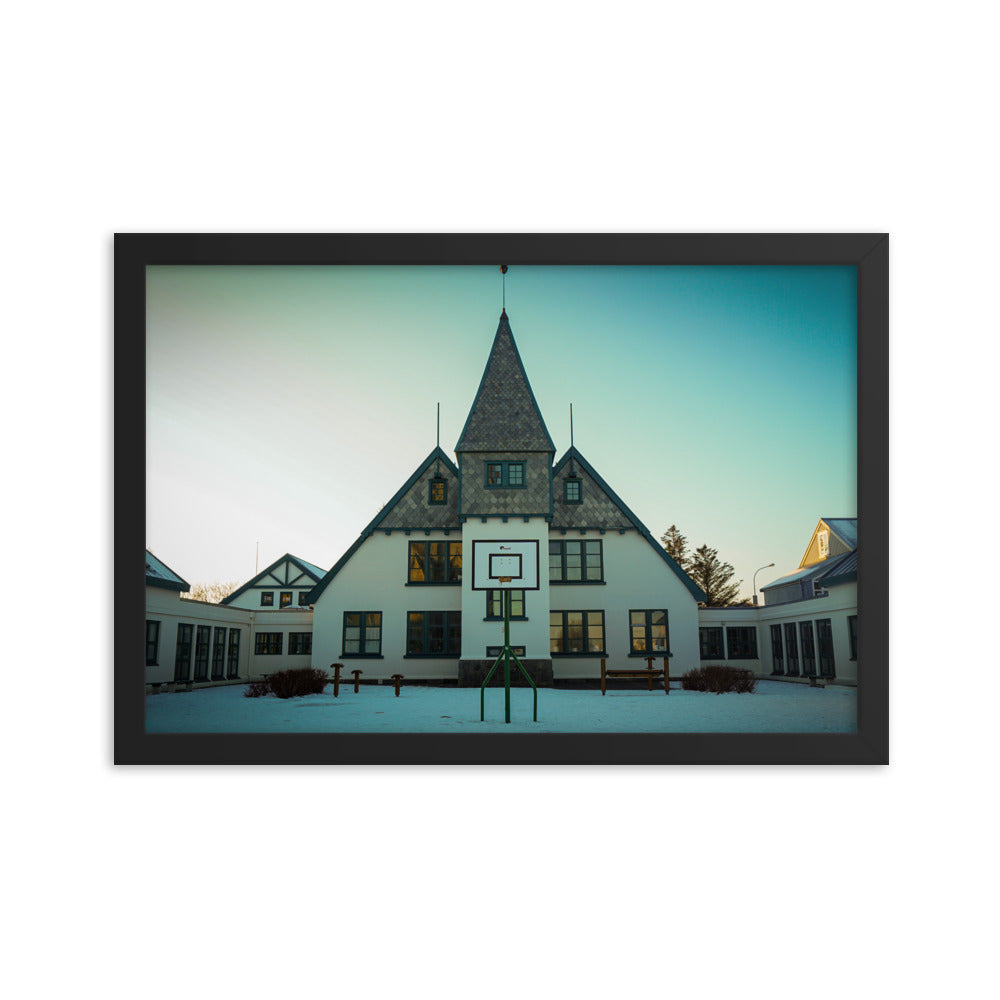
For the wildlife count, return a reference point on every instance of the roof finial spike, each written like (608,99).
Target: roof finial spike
(503,286)
(572,469)
(438,439)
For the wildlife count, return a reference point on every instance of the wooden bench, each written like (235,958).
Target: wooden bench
(649,673)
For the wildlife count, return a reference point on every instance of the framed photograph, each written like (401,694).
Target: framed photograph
(511,499)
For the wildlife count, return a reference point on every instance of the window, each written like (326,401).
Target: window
(300,643)
(576,633)
(233,669)
(823,544)
(852,631)
(285,600)
(808,649)
(494,604)
(576,562)
(434,633)
(219,654)
(824,635)
(152,642)
(791,651)
(777,653)
(267,643)
(267,598)
(572,490)
(493,652)
(437,493)
(201,653)
(710,643)
(508,475)
(362,633)
(648,633)
(435,562)
(182,658)
(303,598)
(742,642)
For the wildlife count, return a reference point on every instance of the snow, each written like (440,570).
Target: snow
(775,707)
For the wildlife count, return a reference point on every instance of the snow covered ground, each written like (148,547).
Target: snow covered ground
(775,707)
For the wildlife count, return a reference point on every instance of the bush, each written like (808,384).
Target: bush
(293,683)
(719,680)
(257,689)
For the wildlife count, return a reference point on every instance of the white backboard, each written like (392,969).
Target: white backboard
(504,564)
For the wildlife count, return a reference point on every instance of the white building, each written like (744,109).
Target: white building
(400,602)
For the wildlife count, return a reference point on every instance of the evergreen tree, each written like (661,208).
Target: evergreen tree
(676,545)
(714,577)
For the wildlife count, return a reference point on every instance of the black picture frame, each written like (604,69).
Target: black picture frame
(869,253)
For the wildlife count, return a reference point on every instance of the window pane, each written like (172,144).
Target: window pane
(455,562)
(435,561)
(416,562)
(515,474)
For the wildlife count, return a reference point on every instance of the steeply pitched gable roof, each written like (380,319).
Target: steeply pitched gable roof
(159,574)
(581,463)
(504,415)
(314,573)
(845,528)
(437,455)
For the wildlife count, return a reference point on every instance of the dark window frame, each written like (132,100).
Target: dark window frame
(233,654)
(561,544)
(564,627)
(807,649)
(284,599)
(852,635)
(451,577)
(267,598)
(303,598)
(299,643)
(791,650)
(777,650)
(152,655)
(714,649)
(201,652)
(437,481)
(183,651)
(504,482)
(362,653)
(647,628)
(491,597)
(268,643)
(452,639)
(824,648)
(573,481)
(219,653)
(739,654)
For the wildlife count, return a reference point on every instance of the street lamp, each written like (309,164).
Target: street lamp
(755,572)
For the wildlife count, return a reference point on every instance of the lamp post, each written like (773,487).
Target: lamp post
(755,572)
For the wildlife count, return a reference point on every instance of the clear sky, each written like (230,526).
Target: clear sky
(286,405)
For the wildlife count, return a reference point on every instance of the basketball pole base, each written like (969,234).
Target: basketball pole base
(506,654)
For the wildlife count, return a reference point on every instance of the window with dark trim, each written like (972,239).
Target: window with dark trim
(824,637)
(202,642)
(182,656)
(285,599)
(300,643)
(268,643)
(434,562)
(777,651)
(808,649)
(362,633)
(742,642)
(576,633)
(852,631)
(303,598)
(576,561)
(504,475)
(434,633)
(710,642)
(648,633)
(437,491)
(267,598)
(572,490)
(791,650)
(219,653)
(494,604)
(233,669)
(152,642)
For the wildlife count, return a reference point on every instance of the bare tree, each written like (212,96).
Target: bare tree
(213,593)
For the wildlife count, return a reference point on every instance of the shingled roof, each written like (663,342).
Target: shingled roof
(504,415)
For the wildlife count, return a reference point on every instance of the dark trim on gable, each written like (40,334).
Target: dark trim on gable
(369,529)
(696,592)
(180,584)
(257,582)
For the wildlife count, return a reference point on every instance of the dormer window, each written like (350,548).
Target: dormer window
(501,475)
(823,543)
(438,491)
(572,490)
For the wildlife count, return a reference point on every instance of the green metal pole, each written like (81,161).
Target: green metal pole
(482,689)
(506,654)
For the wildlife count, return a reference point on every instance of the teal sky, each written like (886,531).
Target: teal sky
(286,405)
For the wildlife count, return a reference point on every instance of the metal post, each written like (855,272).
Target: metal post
(506,654)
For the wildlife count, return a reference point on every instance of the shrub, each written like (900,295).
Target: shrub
(293,683)
(718,680)
(257,689)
